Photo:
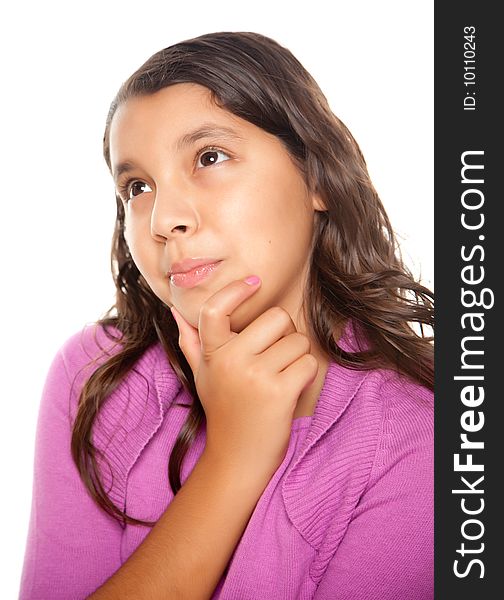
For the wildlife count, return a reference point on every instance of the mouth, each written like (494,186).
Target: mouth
(193,277)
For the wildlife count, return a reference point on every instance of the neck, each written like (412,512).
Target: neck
(308,398)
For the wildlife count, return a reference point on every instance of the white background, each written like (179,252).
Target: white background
(61,64)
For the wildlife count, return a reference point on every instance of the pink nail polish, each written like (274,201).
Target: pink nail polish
(252,280)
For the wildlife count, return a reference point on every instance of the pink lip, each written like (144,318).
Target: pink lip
(191,272)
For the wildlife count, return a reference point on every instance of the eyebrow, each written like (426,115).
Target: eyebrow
(205,130)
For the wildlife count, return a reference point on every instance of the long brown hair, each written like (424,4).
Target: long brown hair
(356,271)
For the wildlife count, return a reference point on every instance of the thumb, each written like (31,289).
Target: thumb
(189,340)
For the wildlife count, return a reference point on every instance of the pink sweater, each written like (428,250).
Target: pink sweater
(347,516)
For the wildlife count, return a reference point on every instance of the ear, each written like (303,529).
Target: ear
(318,203)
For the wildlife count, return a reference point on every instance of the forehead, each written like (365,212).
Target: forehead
(173,97)
(173,119)
(170,112)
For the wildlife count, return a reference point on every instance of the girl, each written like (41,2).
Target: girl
(270,436)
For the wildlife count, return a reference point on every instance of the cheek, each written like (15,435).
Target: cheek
(260,207)
(130,235)
(137,239)
(283,221)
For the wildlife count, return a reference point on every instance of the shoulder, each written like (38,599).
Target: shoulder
(89,348)
(405,407)
(407,417)
(393,416)
(410,403)
(75,360)
(81,355)
(378,409)
(89,344)
(129,415)
(94,344)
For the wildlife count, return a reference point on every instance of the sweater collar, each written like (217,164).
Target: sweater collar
(339,388)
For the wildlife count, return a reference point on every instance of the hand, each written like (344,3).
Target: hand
(248,383)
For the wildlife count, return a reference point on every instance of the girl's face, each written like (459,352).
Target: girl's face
(198,182)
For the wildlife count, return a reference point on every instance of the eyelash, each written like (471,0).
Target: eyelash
(124,188)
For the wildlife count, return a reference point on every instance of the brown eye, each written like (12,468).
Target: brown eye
(137,188)
(210,157)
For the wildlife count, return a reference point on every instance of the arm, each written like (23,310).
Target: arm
(188,549)
(72,545)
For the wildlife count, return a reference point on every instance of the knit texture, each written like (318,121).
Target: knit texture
(348,515)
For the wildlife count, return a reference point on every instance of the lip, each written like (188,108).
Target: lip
(189,273)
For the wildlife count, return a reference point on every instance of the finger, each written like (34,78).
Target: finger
(286,351)
(300,374)
(269,327)
(189,340)
(214,320)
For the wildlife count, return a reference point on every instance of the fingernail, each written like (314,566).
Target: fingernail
(252,280)
(172,310)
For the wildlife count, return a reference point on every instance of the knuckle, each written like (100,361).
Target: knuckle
(253,372)
(280,315)
(227,364)
(298,342)
(224,361)
(276,311)
(276,390)
(310,362)
(209,311)
(303,342)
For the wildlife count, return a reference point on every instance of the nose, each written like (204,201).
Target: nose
(173,213)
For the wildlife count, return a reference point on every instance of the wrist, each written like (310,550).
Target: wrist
(242,475)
